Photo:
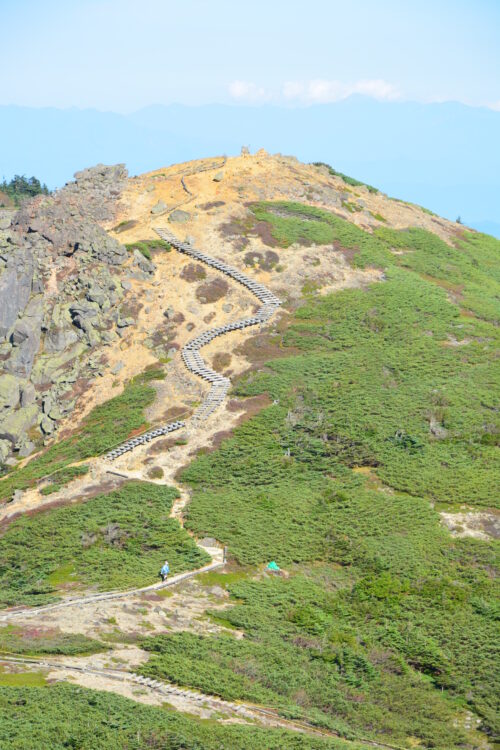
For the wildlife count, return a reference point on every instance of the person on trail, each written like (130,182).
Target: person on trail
(165,570)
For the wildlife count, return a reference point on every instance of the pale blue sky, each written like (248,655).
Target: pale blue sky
(121,55)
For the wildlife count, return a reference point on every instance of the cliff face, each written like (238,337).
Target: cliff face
(60,290)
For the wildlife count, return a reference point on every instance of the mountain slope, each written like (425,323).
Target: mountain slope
(358,450)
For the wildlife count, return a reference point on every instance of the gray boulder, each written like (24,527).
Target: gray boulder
(9,391)
(117,368)
(51,368)
(99,295)
(17,422)
(15,287)
(28,394)
(159,208)
(84,309)
(179,216)
(100,245)
(143,263)
(26,448)
(169,313)
(5,448)
(25,337)
(47,425)
(57,339)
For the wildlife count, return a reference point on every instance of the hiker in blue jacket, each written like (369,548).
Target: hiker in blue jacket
(165,570)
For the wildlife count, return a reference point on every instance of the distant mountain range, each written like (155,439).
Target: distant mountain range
(442,156)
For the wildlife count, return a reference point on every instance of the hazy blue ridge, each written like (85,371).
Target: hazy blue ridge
(443,156)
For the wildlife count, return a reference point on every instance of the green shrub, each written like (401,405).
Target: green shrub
(63,716)
(118,540)
(146,247)
(33,641)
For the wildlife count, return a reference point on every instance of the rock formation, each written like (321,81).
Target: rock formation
(60,290)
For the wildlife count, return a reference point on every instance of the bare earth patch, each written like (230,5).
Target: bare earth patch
(477,524)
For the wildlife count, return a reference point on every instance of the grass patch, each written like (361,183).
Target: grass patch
(147,247)
(33,641)
(21,680)
(290,223)
(379,217)
(124,226)
(224,580)
(65,716)
(112,541)
(351,207)
(107,425)
(470,265)
(312,652)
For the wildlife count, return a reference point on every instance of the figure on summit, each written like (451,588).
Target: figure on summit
(165,570)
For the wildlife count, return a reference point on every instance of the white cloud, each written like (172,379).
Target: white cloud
(293,89)
(322,90)
(494,106)
(377,88)
(248,91)
(314,91)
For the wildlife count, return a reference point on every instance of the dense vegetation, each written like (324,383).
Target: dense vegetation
(348,180)
(21,187)
(468,272)
(35,641)
(65,716)
(374,422)
(107,425)
(112,541)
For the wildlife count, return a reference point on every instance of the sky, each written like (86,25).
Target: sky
(121,55)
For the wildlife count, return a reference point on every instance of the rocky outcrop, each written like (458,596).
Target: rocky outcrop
(68,220)
(60,291)
(25,338)
(15,281)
